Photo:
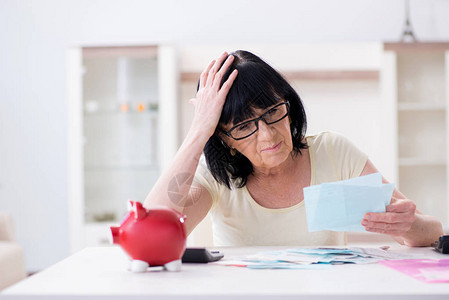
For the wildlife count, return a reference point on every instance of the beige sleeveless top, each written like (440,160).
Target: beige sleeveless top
(238,220)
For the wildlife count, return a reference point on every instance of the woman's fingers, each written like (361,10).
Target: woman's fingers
(387,228)
(387,225)
(390,232)
(203,77)
(401,206)
(210,97)
(389,217)
(215,68)
(397,219)
(228,83)
(399,211)
(213,73)
(223,69)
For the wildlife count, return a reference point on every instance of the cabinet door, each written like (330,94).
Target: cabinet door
(125,131)
(421,114)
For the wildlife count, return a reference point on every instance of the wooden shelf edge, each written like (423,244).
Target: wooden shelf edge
(125,51)
(105,168)
(419,46)
(310,75)
(333,75)
(419,162)
(422,107)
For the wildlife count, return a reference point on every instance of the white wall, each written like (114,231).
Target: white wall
(34,37)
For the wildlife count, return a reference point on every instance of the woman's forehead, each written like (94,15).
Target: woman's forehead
(251,112)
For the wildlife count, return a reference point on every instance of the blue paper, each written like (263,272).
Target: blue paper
(341,206)
(310,258)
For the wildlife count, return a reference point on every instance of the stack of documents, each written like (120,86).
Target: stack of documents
(310,258)
(341,205)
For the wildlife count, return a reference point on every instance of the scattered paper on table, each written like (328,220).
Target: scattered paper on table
(427,270)
(341,205)
(310,258)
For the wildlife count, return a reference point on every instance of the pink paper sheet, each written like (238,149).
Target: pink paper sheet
(427,270)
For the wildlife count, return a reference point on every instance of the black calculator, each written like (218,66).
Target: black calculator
(201,255)
(443,244)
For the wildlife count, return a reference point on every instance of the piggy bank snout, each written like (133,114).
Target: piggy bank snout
(114,235)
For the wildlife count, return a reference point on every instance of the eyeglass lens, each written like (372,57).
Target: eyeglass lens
(274,115)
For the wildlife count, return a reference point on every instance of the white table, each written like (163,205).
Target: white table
(102,273)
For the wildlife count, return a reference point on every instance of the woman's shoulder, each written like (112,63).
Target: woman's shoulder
(346,159)
(333,144)
(325,137)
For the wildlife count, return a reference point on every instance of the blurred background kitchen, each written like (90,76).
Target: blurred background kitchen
(94,98)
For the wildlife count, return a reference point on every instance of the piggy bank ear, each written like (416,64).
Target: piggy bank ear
(139,211)
(130,205)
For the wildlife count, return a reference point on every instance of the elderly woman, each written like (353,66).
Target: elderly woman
(251,125)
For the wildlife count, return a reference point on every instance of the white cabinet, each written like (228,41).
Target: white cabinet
(123,117)
(420,96)
(123,132)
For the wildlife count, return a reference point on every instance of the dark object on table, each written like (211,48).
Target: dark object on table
(443,244)
(200,255)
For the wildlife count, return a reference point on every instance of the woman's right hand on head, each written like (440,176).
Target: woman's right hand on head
(210,98)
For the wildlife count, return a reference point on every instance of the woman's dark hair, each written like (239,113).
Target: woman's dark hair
(257,85)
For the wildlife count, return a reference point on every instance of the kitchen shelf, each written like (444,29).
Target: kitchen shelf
(122,134)
(410,162)
(435,106)
(310,75)
(135,167)
(419,93)
(152,113)
(427,187)
(414,48)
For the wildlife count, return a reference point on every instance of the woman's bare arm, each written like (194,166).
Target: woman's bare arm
(174,188)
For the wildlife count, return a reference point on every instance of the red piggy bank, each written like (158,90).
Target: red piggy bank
(154,237)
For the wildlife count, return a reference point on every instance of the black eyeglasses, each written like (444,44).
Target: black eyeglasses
(247,128)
